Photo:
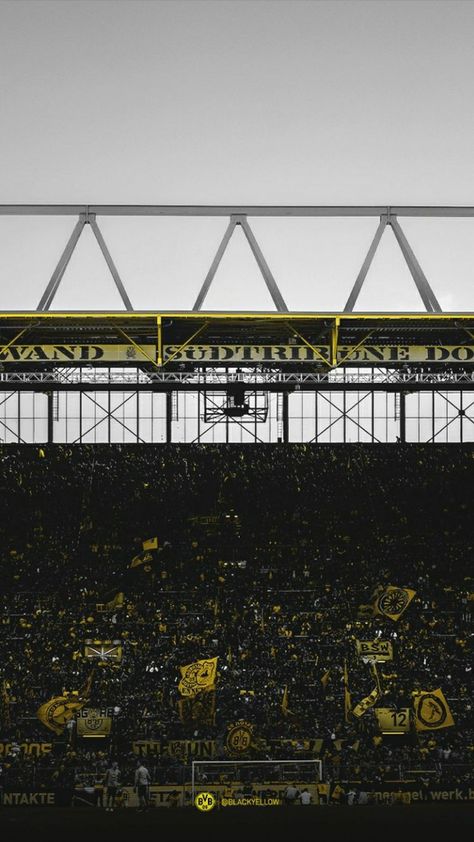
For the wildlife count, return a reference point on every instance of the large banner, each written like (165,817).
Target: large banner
(31,749)
(181,749)
(84,354)
(14,797)
(363,354)
(185,749)
(236,354)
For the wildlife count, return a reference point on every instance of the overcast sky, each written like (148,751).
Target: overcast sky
(236,102)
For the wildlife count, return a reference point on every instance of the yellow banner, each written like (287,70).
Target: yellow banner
(198,676)
(81,354)
(94,722)
(393,721)
(369,354)
(431,710)
(375,650)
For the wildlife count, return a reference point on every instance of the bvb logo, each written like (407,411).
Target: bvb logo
(393,602)
(94,721)
(205,801)
(431,711)
(239,737)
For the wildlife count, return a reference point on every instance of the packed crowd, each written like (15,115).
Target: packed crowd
(265,554)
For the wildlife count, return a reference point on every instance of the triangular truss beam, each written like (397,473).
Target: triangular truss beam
(57,276)
(427,295)
(267,275)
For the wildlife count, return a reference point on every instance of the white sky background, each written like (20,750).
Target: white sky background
(245,102)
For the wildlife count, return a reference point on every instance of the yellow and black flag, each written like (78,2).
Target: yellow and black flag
(144,558)
(284,703)
(373,697)
(150,544)
(116,602)
(431,710)
(387,601)
(58,711)
(325,678)
(347,695)
(198,676)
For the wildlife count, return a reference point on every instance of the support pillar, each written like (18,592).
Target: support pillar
(50,434)
(403,418)
(286,419)
(169,413)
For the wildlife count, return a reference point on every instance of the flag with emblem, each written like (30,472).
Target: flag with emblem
(198,676)
(431,710)
(387,601)
(58,711)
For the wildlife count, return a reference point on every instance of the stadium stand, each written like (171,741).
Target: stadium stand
(264,556)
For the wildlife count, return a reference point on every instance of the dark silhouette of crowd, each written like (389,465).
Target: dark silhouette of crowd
(265,554)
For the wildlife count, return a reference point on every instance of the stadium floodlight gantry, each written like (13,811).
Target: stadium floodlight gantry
(211,376)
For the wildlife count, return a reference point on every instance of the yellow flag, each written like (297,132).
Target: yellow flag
(325,678)
(392,601)
(373,697)
(142,558)
(431,710)
(347,695)
(284,703)
(150,544)
(117,601)
(59,710)
(198,676)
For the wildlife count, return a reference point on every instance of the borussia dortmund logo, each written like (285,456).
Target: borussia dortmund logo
(205,801)
(393,602)
(239,737)
(94,721)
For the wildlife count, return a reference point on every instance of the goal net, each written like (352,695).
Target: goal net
(267,781)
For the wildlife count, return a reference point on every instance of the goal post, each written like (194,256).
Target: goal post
(254,777)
